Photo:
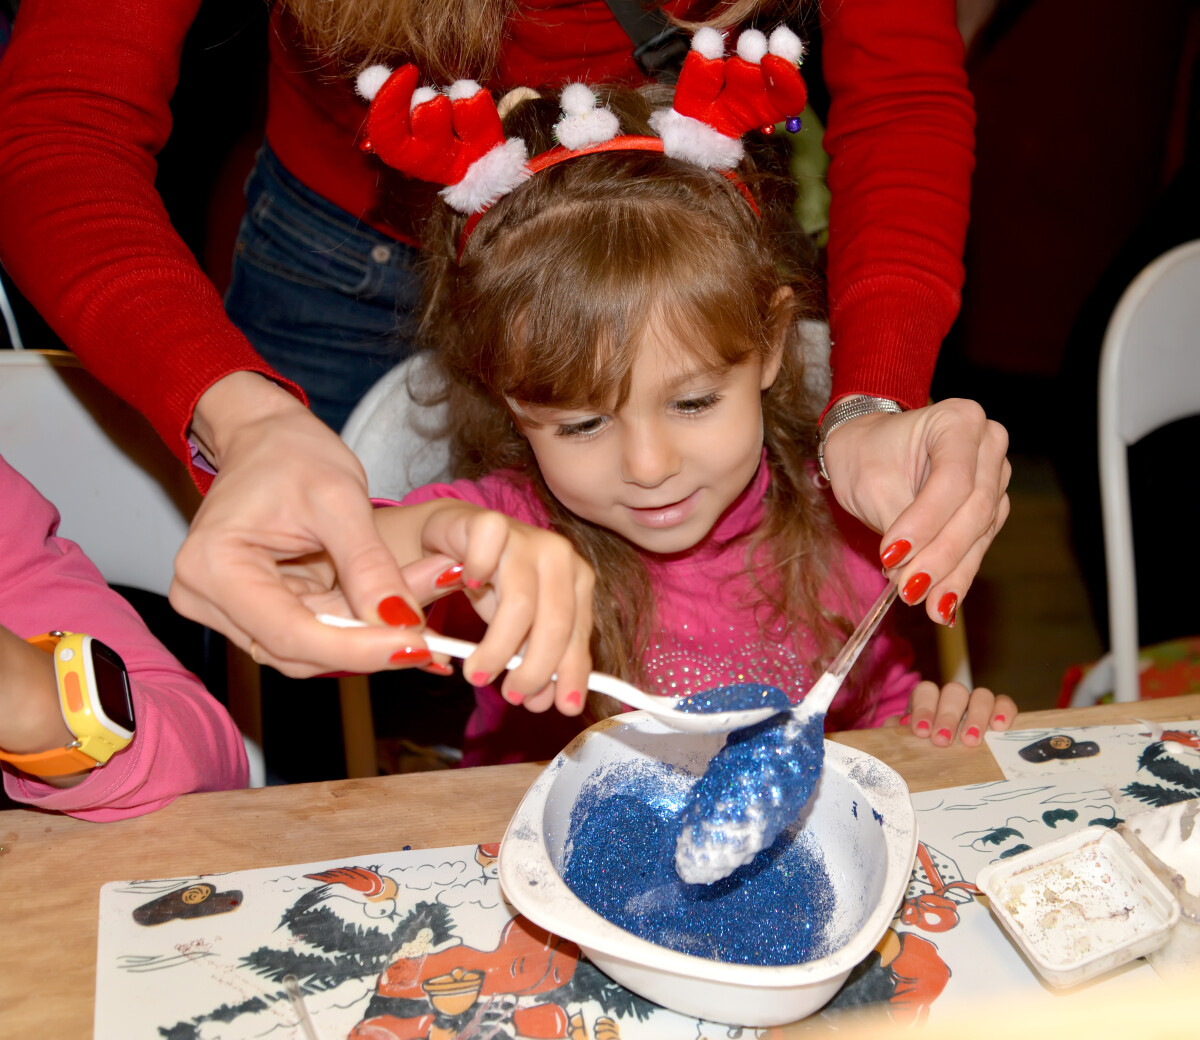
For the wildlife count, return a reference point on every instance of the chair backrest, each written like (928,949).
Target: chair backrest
(391,431)
(121,493)
(1149,377)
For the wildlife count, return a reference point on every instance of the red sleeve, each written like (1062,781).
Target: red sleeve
(901,139)
(84,88)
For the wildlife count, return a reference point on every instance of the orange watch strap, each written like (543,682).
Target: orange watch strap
(58,762)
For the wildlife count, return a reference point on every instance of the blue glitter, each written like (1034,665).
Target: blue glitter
(621,862)
(738,697)
(753,788)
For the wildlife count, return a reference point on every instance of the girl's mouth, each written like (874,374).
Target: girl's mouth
(669,515)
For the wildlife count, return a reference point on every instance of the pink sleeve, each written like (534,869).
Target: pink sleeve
(507,493)
(185,739)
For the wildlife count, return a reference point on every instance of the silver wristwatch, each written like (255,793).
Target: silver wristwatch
(853,407)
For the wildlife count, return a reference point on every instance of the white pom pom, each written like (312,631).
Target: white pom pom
(461,89)
(686,138)
(787,45)
(583,123)
(489,177)
(370,80)
(751,46)
(421,95)
(578,99)
(709,42)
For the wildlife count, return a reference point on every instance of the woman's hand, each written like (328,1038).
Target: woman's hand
(952,712)
(530,585)
(934,480)
(287,489)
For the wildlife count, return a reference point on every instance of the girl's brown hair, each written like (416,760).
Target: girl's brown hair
(548,304)
(448,39)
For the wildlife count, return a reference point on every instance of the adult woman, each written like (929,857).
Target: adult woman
(86,88)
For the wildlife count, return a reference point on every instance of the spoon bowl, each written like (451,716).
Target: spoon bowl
(760,780)
(698,713)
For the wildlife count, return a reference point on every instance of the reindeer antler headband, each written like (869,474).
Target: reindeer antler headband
(456,138)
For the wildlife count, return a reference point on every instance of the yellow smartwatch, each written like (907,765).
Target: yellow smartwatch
(96,704)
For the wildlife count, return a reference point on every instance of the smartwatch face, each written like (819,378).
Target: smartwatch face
(112,685)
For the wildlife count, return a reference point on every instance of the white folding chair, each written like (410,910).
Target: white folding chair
(1149,377)
(121,494)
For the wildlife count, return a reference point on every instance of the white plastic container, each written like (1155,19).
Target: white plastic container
(1080,906)
(861,816)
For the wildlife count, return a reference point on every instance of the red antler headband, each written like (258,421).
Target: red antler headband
(456,138)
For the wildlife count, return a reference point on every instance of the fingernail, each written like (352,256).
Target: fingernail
(480,678)
(395,611)
(948,607)
(437,668)
(411,655)
(997,718)
(972,732)
(574,698)
(922,726)
(895,553)
(474,583)
(449,578)
(944,733)
(514,697)
(916,587)
(904,718)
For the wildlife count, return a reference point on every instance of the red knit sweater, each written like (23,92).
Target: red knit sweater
(84,88)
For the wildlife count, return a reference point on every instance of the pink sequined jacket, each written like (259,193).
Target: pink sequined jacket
(706,635)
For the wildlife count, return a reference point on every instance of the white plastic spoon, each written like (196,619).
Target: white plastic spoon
(676,712)
(758,782)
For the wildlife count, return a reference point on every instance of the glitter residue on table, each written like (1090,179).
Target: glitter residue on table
(621,862)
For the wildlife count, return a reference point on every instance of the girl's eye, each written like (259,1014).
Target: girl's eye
(696,405)
(582,428)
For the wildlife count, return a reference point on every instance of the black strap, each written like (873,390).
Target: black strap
(658,46)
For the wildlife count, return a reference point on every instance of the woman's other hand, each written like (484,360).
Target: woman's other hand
(288,489)
(934,480)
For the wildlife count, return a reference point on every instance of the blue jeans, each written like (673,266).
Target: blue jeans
(327,301)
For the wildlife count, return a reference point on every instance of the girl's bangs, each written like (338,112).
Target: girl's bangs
(573,322)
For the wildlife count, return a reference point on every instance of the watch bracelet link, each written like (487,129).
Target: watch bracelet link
(853,407)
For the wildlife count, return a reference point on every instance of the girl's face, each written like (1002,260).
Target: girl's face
(661,469)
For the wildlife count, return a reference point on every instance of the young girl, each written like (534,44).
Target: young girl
(619,336)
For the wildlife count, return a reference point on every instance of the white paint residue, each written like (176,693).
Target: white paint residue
(1173,835)
(1076,906)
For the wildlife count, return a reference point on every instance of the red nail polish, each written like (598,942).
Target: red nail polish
(574,698)
(437,668)
(395,611)
(480,678)
(450,578)
(916,587)
(411,655)
(972,732)
(948,607)
(922,726)
(515,698)
(474,583)
(895,553)
(945,733)
(998,718)
(904,718)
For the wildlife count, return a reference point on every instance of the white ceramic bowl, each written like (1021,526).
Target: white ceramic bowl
(861,816)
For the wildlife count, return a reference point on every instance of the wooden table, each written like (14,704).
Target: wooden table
(52,867)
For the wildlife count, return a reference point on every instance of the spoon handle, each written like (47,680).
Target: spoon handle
(601,682)
(821,695)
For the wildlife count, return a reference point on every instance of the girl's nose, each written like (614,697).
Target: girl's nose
(648,456)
